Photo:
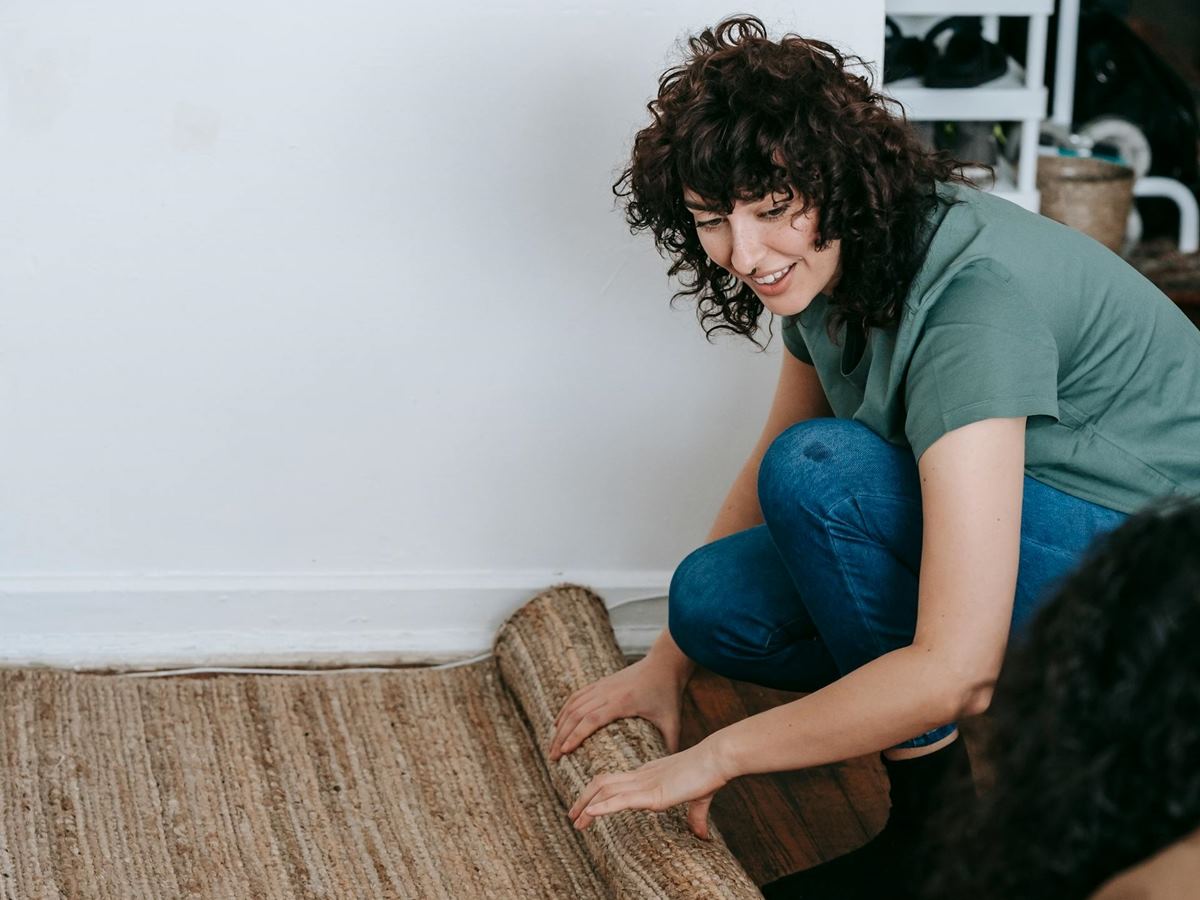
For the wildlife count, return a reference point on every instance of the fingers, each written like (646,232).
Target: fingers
(576,697)
(613,797)
(575,727)
(607,794)
(640,789)
(603,807)
(586,797)
(574,702)
(697,817)
(671,738)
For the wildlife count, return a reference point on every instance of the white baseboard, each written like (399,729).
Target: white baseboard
(332,619)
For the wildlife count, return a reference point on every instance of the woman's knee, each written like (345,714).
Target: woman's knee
(693,603)
(800,465)
(814,464)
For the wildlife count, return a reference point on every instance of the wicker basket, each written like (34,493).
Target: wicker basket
(1090,194)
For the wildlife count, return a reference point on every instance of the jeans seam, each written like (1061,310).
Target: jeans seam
(900,498)
(786,625)
(858,604)
(918,740)
(1059,550)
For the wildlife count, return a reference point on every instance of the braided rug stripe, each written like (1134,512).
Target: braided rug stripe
(414,783)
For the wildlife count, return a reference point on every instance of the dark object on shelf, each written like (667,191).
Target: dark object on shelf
(903,55)
(1118,74)
(968,60)
(974,142)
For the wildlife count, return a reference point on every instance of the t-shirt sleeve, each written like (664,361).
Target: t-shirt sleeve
(982,352)
(794,341)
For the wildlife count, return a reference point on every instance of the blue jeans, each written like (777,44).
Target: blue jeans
(829,582)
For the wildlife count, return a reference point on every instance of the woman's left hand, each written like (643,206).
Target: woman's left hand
(692,775)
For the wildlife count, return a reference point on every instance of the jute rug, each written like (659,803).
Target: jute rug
(413,783)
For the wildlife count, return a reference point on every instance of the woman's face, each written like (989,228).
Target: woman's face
(760,239)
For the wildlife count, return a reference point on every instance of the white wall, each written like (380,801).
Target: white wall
(321,332)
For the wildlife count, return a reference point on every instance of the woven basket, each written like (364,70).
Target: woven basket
(1089,194)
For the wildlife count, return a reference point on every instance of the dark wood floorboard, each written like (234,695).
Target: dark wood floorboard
(785,821)
(780,822)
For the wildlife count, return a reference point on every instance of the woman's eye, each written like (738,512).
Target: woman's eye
(708,223)
(776,212)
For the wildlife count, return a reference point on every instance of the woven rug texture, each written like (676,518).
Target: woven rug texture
(412,783)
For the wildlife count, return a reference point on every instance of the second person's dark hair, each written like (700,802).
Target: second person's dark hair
(1095,733)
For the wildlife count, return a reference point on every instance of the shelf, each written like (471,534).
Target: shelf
(1005,187)
(968,7)
(1017,96)
(1005,99)
(1029,199)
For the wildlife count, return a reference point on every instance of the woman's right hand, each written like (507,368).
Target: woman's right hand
(646,688)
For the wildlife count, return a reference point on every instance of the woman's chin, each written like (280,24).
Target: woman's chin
(788,304)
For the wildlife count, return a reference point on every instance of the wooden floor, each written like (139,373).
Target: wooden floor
(780,822)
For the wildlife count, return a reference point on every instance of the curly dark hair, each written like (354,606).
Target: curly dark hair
(1095,744)
(739,103)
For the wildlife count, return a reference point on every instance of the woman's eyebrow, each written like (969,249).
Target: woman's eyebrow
(701,207)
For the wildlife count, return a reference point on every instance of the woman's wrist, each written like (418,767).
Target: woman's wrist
(724,753)
(666,657)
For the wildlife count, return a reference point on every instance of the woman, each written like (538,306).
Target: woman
(1095,738)
(971,393)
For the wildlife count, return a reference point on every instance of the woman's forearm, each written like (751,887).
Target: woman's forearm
(666,653)
(740,509)
(891,699)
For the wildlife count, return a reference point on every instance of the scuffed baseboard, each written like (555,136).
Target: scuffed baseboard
(328,619)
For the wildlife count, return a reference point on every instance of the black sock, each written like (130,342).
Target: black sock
(883,867)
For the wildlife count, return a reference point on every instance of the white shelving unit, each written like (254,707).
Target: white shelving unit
(1019,95)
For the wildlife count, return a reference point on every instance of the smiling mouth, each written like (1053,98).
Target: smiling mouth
(774,277)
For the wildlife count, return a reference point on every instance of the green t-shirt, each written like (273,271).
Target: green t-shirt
(1014,314)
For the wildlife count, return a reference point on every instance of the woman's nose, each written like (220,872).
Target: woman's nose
(746,253)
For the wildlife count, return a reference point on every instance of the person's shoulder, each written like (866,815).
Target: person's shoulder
(974,310)
(967,289)
(959,244)
(963,201)
(982,247)
(1001,222)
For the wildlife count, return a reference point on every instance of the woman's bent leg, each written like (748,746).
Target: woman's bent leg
(1056,530)
(843,507)
(734,610)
